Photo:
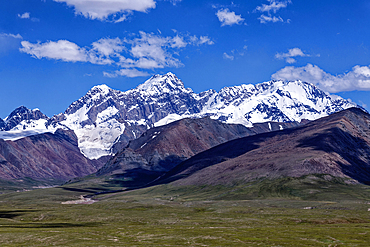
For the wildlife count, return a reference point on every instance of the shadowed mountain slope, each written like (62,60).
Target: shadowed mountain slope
(45,156)
(338,145)
(160,149)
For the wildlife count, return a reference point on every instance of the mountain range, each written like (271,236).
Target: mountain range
(337,145)
(162,132)
(105,120)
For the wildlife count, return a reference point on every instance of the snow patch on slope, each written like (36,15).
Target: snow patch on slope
(26,128)
(168,119)
(96,141)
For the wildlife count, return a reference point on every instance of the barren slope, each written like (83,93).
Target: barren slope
(160,149)
(338,145)
(45,156)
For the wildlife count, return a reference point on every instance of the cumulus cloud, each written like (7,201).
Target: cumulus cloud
(289,56)
(61,50)
(178,42)
(103,49)
(228,18)
(142,51)
(356,79)
(152,51)
(273,6)
(102,9)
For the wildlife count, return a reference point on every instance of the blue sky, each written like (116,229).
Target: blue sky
(53,51)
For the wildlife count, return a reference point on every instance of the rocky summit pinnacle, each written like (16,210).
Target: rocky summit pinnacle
(168,83)
(22,116)
(103,89)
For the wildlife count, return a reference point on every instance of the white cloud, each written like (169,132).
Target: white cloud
(356,79)
(227,56)
(9,35)
(60,50)
(228,18)
(103,49)
(25,15)
(274,6)
(202,40)
(143,51)
(178,42)
(294,52)
(102,9)
(290,60)
(205,40)
(266,19)
(107,46)
(152,51)
(126,72)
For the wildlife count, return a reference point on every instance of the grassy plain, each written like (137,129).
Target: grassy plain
(309,211)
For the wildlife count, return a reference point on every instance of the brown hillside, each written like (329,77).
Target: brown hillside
(160,149)
(338,145)
(45,156)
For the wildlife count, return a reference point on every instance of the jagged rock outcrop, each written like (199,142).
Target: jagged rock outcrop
(2,124)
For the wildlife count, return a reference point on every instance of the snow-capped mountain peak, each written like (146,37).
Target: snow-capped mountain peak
(23,115)
(24,122)
(102,89)
(168,83)
(93,98)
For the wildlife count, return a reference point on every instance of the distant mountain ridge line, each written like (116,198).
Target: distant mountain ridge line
(104,116)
